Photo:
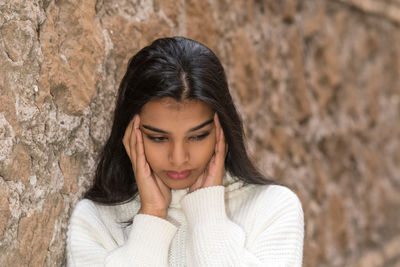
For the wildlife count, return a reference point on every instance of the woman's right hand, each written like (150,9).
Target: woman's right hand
(155,196)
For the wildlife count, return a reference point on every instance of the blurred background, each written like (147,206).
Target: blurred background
(316,82)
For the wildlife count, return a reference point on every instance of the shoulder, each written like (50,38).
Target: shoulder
(273,193)
(278,194)
(273,201)
(117,212)
(85,211)
(273,208)
(90,224)
(85,222)
(273,219)
(83,207)
(89,230)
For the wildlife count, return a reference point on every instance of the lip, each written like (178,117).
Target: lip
(178,175)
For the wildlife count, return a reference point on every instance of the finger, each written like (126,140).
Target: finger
(133,138)
(127,137)
(140,156)
(199,182)
(131,141)
(217,126)
(143,172)
(220,151)
(220,145)
(163,187)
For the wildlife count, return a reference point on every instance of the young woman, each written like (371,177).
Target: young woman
(174,185)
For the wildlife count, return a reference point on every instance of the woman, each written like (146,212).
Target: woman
(174,185)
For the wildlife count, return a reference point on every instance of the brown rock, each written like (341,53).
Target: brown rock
(387,9)
(391,200)
(240,12)
(250,10)
(321,236)
(337,221)
(7,137)
(7,107)
(297,84)
(153,28)
(35,231)
(372,259)
(278,172)
(246,78)
(278,139)
(288,9)
(11,258)
(19,168)
(69,166)
(321,180)
(325,79)
(310,254)
(128,37)
(391,250)
(18,39)
(72,45)
(124,48)
(313,17)
(2,74)
(373,100)
(297,151)
(171,9)
(4,209)
(200,24)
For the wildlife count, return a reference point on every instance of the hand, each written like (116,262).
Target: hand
(155,196)
(214,172)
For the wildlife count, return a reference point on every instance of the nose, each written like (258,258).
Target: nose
(178,154)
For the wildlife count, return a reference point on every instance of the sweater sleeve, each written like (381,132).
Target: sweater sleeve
(271,234)
(90,243)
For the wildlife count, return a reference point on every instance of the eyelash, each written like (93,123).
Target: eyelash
(160,139)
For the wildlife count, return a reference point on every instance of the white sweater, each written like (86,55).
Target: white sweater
(230,225)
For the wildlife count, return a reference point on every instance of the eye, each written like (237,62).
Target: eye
(157,139)
(199,137)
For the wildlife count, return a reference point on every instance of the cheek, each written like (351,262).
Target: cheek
(204,151)
(153,154)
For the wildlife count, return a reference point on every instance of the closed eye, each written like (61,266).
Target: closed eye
(157,139)
(160,139)
(199,137)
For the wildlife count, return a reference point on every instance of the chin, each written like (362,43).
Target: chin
(180,187)
(176,185)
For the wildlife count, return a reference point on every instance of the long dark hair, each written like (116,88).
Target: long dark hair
(182,69)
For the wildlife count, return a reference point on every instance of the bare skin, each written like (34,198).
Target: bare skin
(155,194)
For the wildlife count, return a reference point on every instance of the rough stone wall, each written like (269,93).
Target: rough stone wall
(316,81)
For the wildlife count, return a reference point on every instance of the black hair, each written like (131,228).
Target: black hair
(179,68)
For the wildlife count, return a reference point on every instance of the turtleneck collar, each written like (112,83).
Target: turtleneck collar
(125,211)
(229,182)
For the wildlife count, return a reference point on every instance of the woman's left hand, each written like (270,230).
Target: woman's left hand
(214,172)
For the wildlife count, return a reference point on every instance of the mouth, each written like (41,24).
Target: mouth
(178,175)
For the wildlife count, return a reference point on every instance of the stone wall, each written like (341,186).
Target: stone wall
(316,81)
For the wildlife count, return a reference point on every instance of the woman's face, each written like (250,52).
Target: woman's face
(179,139)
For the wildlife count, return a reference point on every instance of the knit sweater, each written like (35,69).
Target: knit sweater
(229,225)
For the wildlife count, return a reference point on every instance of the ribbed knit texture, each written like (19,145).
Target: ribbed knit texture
(227,225)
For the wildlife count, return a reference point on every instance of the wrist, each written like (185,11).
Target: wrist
(205,206)
(158,213)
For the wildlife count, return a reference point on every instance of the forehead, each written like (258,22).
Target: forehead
(167,113)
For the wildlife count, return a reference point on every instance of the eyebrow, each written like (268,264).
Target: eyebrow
(154,129)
